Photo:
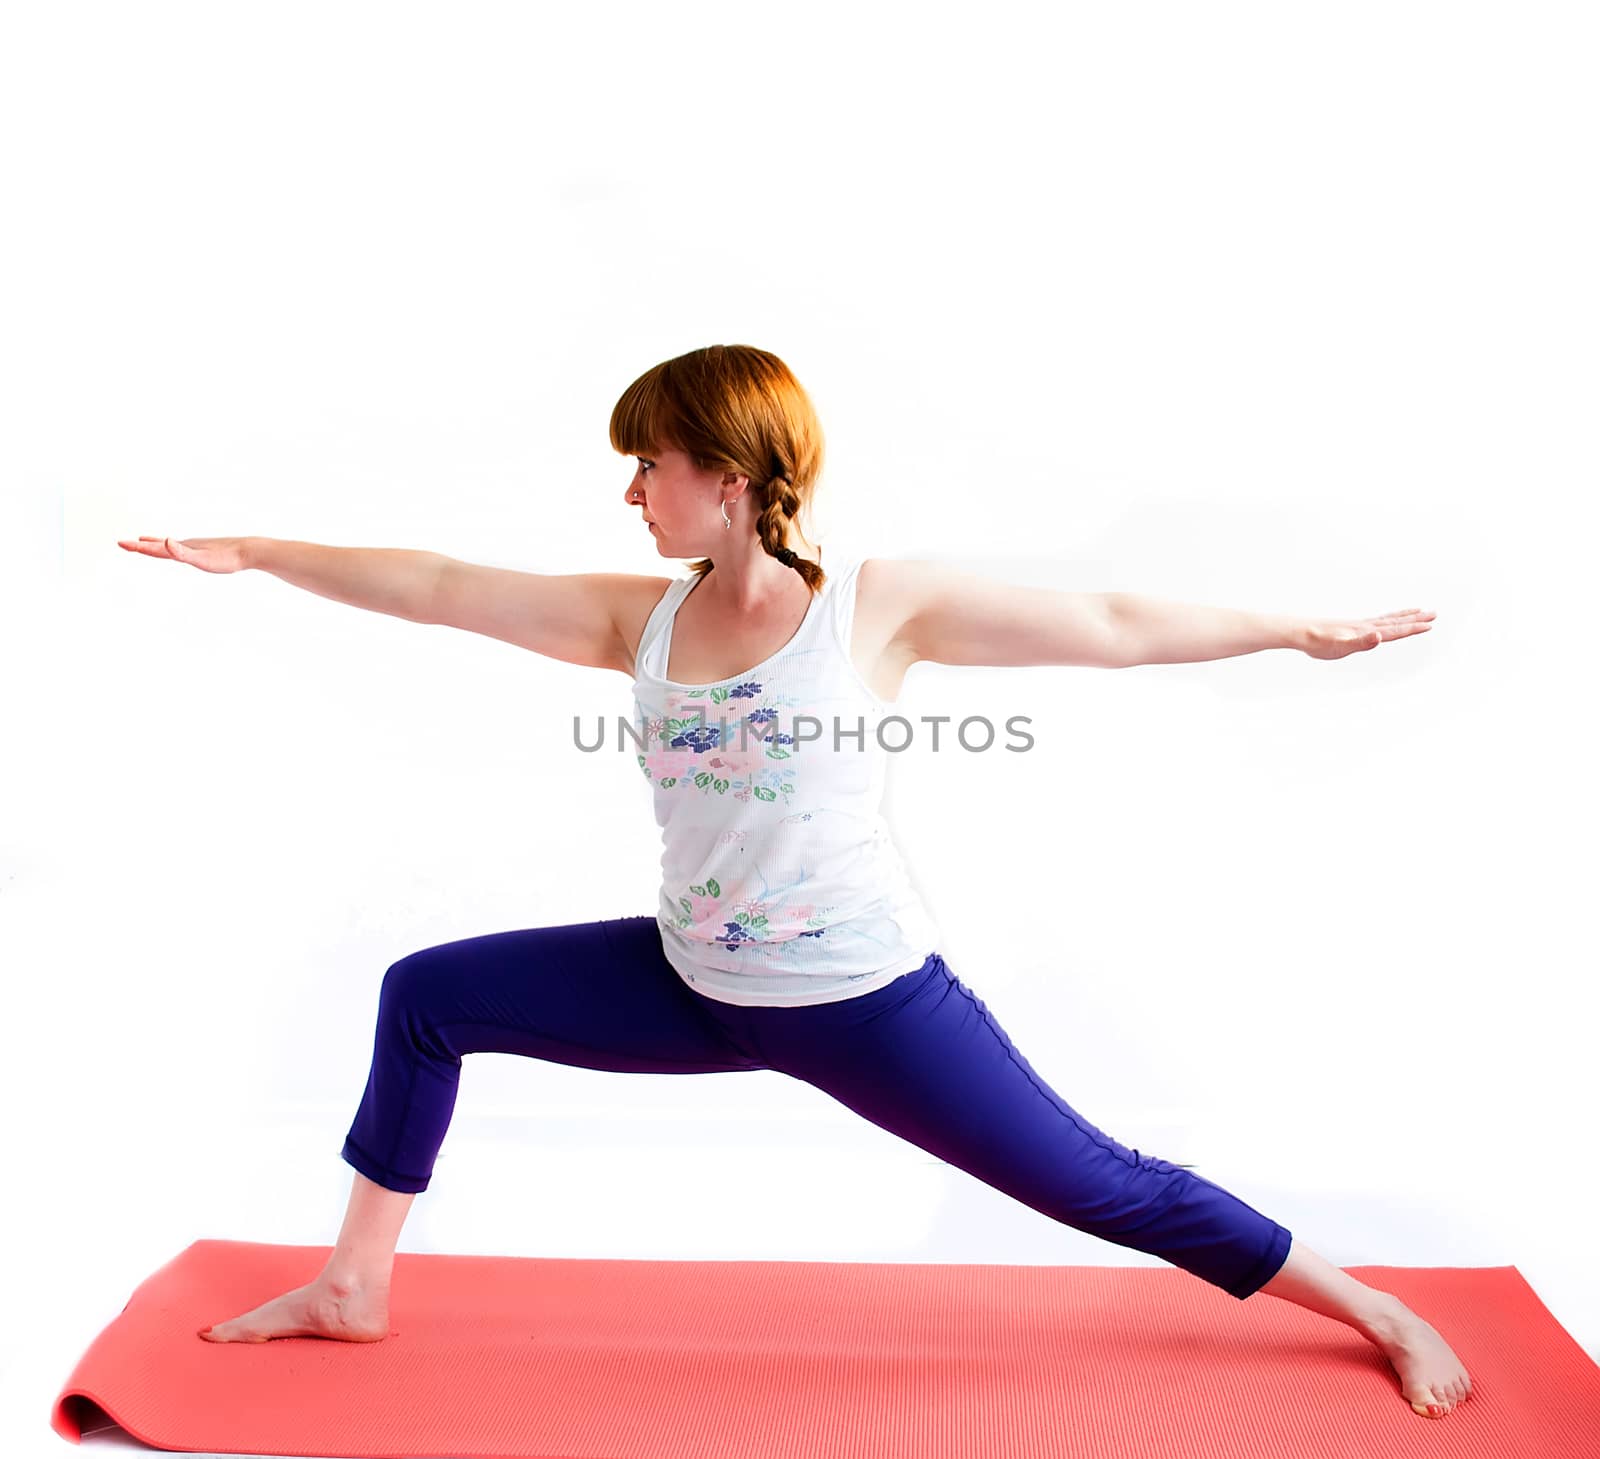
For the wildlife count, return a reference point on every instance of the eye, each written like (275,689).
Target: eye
(643,464)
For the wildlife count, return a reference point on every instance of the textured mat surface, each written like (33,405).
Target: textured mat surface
(613,1359)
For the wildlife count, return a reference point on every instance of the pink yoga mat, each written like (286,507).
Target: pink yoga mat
(612,1359)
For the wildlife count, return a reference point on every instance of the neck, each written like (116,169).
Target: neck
(753,578)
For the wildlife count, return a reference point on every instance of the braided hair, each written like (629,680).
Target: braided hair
(783,504)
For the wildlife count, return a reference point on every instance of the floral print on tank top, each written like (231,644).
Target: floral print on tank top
(726,741)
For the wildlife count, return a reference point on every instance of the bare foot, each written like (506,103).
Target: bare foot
(319,1309)
(1432,1378)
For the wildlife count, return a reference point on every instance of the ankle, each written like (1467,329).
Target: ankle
(1387,1320)
(350,1281)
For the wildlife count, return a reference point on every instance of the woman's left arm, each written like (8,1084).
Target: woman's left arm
(951,617)
(1157,631)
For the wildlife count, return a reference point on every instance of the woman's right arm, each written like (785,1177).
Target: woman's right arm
(593,619)
(399,581)
(569,616)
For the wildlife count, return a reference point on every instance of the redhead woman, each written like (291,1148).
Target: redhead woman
(786,934)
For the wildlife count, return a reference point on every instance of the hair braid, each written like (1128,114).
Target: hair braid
(783,504)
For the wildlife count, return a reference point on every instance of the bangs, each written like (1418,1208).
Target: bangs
(644,422)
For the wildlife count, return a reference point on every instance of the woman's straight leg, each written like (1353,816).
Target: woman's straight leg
(925,1059)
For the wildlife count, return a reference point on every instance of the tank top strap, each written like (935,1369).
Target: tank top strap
(655,627)
(841,584)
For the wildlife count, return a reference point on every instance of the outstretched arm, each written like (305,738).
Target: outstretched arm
(952,617)
(1157,631)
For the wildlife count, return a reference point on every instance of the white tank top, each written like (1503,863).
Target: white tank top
(780,884)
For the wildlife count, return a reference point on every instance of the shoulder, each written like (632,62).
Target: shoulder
(633,595)
(898,584)
(891,592)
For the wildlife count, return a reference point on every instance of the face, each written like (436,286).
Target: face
(681,502)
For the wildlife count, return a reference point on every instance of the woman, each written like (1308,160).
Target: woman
(787,935)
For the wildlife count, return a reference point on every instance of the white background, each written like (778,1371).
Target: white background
(1268,307)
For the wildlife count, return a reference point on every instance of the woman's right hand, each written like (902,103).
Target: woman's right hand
(209,554)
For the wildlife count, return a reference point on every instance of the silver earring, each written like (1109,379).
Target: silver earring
(725,522)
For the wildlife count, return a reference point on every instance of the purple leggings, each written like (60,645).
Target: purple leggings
(921,1057)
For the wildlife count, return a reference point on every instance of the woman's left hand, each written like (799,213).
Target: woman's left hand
(1333,638)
